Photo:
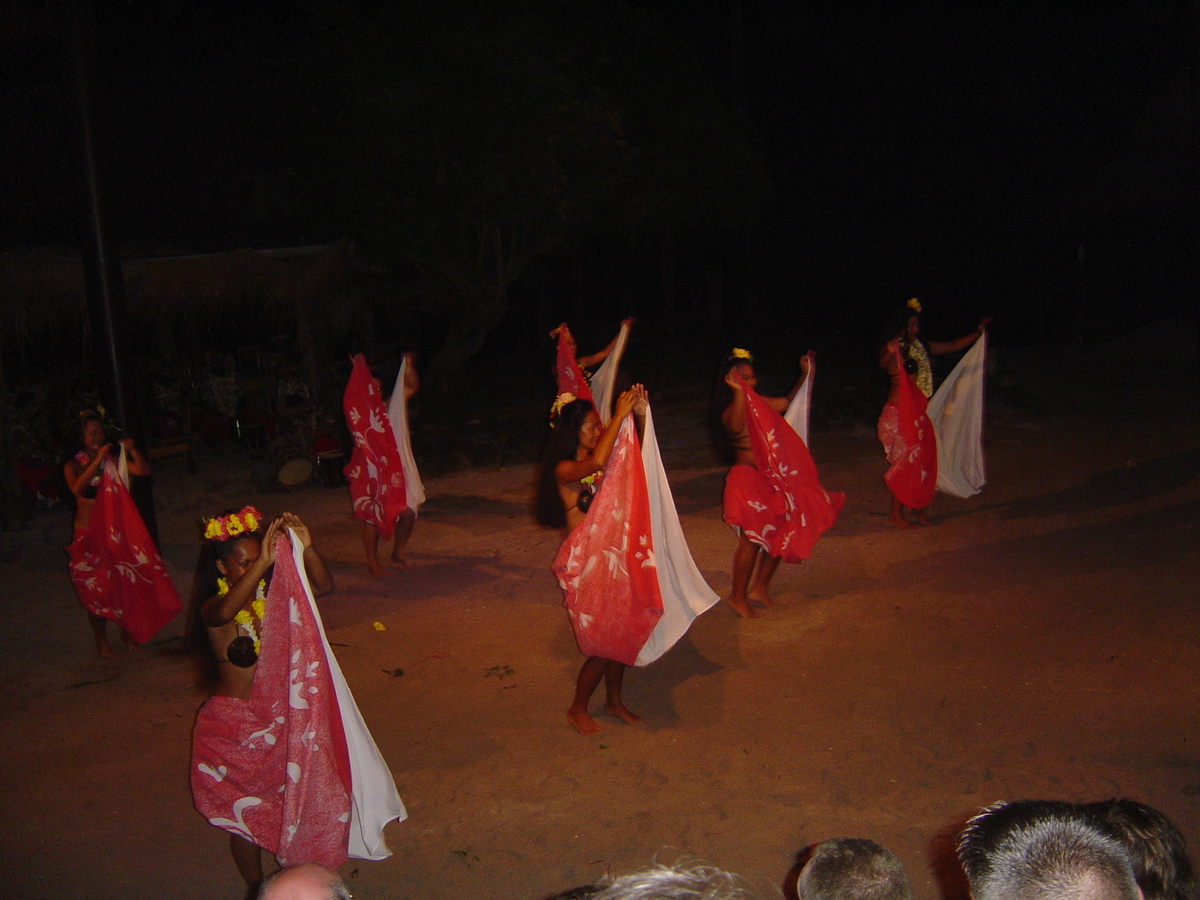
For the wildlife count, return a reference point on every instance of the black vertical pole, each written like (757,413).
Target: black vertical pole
(102,277)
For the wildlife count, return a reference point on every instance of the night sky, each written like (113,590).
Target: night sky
(958,152)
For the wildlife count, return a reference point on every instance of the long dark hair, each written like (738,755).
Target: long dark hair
(561,443)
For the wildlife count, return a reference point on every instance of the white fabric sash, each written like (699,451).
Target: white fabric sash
(605,379)
(797,411)
(956,411)
(397,412)
(685,593)
(374,800)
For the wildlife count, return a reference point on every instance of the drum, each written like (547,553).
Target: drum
(328,458)
(290,460)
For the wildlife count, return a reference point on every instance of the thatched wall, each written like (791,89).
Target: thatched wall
(39,292)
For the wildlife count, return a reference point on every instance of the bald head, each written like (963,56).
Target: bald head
(307,881)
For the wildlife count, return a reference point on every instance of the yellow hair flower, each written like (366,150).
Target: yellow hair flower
(739,353)
(560,401)
(234,526)
(212,529)
(915,305)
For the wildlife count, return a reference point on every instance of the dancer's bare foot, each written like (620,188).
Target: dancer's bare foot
(900,521)
(376,570)
(621,712)
(762,599)
(583,723)
(742,608)
(105,650)
(399,562)
(922,519)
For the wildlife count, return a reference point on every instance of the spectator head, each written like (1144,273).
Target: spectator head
(307,881)
(853,869)
(1043,850)
(679,882)
(1157,849)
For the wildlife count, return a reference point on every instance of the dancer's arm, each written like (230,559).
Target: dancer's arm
(138,464)
(887,357)
(573,469)
(734,417)
(80,476)
(586,362)
(940,348)
(219,609)
(780,404)
(319,577)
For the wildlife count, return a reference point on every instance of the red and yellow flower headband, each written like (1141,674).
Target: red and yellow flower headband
(221,528)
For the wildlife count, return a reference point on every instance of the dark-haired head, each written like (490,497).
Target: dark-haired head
(1156,848)
(562,443)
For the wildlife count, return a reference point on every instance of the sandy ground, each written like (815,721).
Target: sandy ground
(1039,641)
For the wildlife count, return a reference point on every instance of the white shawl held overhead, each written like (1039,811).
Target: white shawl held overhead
(797,411)
(605,377)
(956,411)
(398,417)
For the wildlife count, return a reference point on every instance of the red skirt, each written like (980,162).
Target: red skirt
(753,508)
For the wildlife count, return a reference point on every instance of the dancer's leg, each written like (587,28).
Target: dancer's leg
(760,584)
(896,517)
(248,859)
(589,676)
(744,558)
(614,674)
(404,528)
(100,633)
(370,539)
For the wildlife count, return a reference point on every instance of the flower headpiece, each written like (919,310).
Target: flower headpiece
(915,305)
(221,528)
(560,401)
(739,353)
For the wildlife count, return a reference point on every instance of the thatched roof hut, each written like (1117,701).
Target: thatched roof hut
(42,293)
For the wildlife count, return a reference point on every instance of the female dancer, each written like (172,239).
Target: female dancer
(233,580)
(906,348)
(575,455)
(82,473)
(587,362)
(747,495)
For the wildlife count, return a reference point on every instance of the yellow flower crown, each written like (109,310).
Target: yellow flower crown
(560,401)
(915,305)
(739,353)
(221,528)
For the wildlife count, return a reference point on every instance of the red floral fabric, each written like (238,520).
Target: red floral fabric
(116,569)
(570,377)
(909,441)
(750,505)
(783,502)
(275,768)
(375,471)
(606,566)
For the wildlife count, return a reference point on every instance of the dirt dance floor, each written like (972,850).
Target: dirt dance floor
(1039,640)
